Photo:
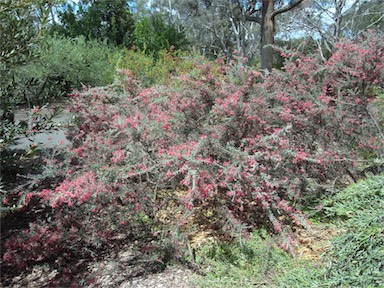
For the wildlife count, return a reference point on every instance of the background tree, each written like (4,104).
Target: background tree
(326,21)
(364,15)
(214,27)
(323,20)
(264,13)
(153,34)
(103,19)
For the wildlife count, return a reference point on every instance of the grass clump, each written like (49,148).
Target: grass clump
(356,257)
(254,263)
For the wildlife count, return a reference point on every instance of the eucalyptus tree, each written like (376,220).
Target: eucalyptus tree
(264,13)
(213,26)
(364,15)
(326,21)
(323,20)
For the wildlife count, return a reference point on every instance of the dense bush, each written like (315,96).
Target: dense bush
(153,34)
(16,49)
(22,24)
(65,64)
(18,39)
(244,150)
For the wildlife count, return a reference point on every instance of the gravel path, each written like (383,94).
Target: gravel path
(127,269)
(120,269)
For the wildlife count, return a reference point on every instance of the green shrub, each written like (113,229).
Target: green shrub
(64,64)
(356,258)
(150,71)
(20,30)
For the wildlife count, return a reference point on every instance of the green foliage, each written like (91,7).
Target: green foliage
(152,34)
(16,33)
(150,71)
(20,28)
(64,64)
(254,263)
(103,20)
(356,257)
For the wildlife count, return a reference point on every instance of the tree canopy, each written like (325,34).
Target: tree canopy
(109,20)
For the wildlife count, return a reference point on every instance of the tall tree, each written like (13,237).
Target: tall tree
(103,19)
(213,26)
(363,15)
(264,13)
(326,21)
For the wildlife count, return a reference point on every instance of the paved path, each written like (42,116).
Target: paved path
(51,139)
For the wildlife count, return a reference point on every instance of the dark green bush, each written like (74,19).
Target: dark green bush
(18,37)
(152,34)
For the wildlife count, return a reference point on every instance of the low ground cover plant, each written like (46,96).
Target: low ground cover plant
(255,263)
(356,256)
(247,148)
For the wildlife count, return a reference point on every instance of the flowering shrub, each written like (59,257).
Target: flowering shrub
(241,148)
(37,243)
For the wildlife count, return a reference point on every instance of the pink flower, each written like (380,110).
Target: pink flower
(27,198)
(118,156)
(85,197)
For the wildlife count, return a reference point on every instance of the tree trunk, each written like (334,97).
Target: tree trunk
(267,34)
(267,23)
